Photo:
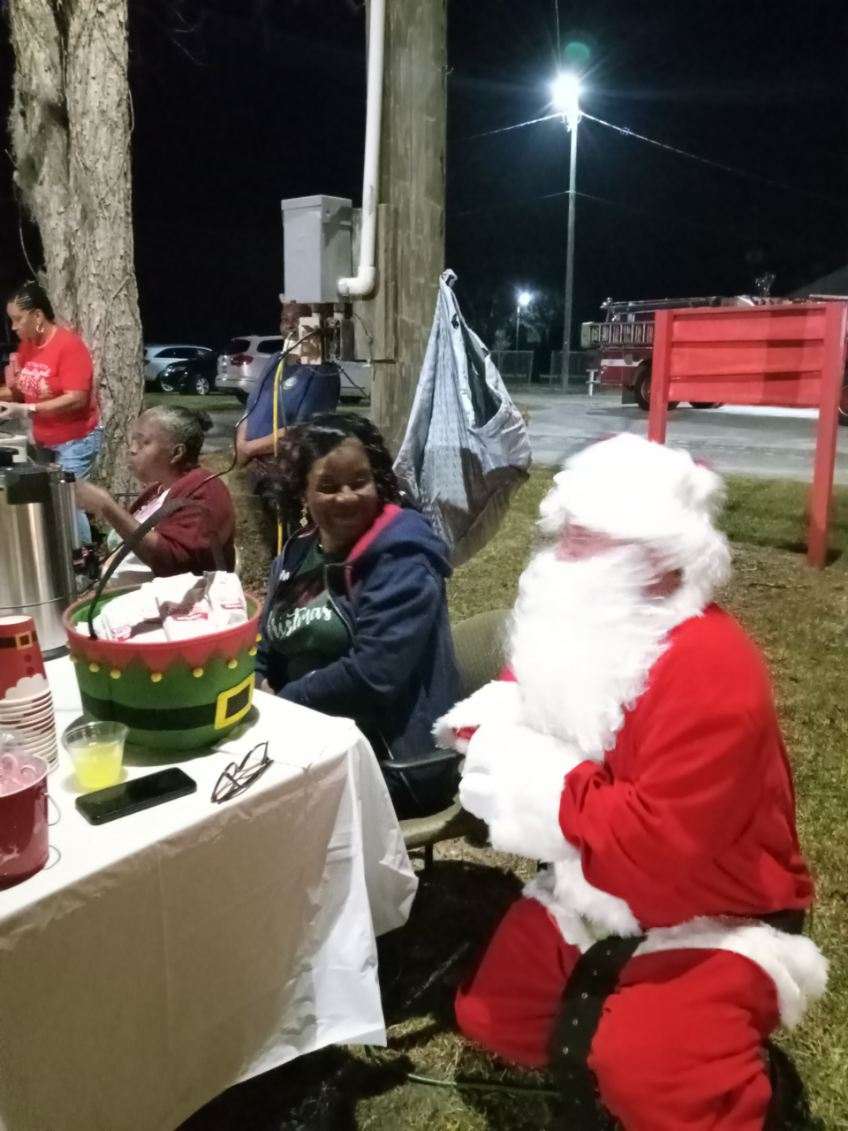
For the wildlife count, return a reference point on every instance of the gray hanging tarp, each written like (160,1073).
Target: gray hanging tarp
(466,447)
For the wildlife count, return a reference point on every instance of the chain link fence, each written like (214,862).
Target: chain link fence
(579,365)
(515,366)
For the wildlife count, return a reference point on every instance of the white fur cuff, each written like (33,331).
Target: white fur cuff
(794,963)
(573,928)
(495,702)
(606,914)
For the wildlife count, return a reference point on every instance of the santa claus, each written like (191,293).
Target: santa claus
(635,751)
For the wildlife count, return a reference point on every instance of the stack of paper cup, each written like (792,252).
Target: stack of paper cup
(26,706)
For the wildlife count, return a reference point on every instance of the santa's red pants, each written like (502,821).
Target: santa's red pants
(678,1046)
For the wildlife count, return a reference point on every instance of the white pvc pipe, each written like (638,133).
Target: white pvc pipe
(364,281)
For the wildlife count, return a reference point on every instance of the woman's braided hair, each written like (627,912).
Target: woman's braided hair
(184,426)
(305,443)
(30,295)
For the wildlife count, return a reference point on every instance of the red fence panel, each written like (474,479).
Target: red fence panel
(790,355)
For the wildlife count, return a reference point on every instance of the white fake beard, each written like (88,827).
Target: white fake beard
(584,638)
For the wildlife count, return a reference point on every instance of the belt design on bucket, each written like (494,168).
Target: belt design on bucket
(226,709)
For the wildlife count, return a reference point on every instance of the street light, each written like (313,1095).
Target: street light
(565,98)
(522,301)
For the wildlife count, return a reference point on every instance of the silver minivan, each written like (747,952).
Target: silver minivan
(243,361)
(245,358)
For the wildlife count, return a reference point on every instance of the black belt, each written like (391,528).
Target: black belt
(790,922)
(594,978)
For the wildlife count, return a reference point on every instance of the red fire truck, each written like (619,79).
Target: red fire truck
(624,342)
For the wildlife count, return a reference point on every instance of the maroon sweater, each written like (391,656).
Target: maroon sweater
(185,539)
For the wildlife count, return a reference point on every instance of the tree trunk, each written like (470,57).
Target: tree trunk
(71,142)
(412,182)
(100,180)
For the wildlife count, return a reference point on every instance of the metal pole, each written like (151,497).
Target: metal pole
(569,256)
(517,326)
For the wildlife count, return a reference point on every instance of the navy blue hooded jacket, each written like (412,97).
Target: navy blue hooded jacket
(399,674)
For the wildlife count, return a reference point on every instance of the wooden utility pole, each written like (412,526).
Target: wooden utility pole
(411,232)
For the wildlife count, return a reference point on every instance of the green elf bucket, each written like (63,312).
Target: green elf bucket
(179,695)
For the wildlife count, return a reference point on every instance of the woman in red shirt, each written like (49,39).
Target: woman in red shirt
(49,382)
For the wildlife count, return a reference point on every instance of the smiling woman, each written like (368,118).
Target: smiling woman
(355,622)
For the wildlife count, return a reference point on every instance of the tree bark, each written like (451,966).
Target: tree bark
(71,143)
(100,181)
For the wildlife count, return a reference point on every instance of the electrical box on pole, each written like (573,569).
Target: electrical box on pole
(317,247)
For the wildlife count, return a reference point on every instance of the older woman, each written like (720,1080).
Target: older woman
(49,381)
(198,534)
(355,620)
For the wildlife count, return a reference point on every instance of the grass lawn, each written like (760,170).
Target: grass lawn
(798,617)
(226,402)
(214,402)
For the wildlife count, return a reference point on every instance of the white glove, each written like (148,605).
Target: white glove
(478,795)
(513,779)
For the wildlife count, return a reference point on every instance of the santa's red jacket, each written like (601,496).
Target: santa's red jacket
(693,811)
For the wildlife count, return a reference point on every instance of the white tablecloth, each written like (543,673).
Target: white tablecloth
(167,955)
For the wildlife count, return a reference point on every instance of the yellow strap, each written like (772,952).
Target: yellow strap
(276,423)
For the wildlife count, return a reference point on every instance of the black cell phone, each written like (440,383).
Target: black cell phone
(132,796)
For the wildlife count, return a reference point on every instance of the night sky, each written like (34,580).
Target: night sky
(239,103)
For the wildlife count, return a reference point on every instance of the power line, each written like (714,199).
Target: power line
(625,131)
(506,129)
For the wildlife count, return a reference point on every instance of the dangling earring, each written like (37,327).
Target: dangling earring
(304,515)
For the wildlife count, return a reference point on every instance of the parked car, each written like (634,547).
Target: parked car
(158,357)
(194,375)
(241,364)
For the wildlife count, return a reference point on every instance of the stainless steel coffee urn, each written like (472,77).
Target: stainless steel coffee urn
(38,543)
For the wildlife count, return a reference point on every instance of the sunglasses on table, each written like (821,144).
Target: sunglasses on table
(239,776)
